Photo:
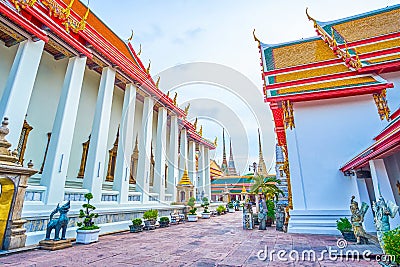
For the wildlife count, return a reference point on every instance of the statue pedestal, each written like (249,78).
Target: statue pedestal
(55,245)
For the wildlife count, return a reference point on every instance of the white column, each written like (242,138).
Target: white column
(94,171)
(201,172)
(56,165)
(183,153)
(173,168)
(143,175)
(161,146)
(207,184)
(17,93)
(125,145)
(192,163)
(364,197)
(380,178)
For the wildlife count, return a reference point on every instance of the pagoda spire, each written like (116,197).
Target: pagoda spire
(224,165)
(231,163)
(262,168)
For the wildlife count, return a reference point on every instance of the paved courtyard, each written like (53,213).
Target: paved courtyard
(219,241)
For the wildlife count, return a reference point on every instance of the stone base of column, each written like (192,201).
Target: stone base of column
(55,245)
(15,237)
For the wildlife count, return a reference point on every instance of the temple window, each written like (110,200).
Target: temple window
(85,149)
(112,158)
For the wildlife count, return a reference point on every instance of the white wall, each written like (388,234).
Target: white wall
(329,133)
(83,125)
(7,55)
(393,171)
(393,94)
(43,106)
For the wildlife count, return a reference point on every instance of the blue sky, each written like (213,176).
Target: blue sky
(186,31)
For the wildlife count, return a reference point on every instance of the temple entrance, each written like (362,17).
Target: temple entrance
(6,198)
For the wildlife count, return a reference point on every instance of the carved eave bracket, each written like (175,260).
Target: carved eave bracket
(288,117)
(381,104)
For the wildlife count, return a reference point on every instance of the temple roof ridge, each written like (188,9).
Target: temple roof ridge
(358,16)
(298,41)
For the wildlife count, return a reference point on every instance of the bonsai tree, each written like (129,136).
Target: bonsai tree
(150,215)
(230,205)
(345,227)
(88,215)
(164,219)
(205,205)
(191,204)
(391,241)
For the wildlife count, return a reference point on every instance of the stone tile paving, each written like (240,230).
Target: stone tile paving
(219,241)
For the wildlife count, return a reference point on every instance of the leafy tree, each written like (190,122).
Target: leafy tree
(268,186)
(88,215)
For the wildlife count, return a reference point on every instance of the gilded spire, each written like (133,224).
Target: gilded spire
(262,168)
(231,163)
(244,191)
(224,165)
(185,180)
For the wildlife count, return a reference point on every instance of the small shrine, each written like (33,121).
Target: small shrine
(185,189)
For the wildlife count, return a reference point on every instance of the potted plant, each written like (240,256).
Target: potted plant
(150,218)
(220,210)
(205,214)
(270,212)
(344,226)
(88,231)
(231,207)
(164,222)
(391,240)
(192,216)
(136,225)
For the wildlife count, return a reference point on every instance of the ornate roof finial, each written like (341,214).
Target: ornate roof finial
(310,18)
(131,37)
(175,97)
(158,81)
(148,68)
(201,130)
(187,109)
(215,141)
(67,11)
(255,37)
(140,50)
(195,124)
(168,94)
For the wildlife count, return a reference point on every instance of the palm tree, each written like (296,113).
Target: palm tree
(268,186)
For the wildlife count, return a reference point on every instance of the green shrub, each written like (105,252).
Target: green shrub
(344,225)
(137,222)
(88,215)
(205,205)
(392,240)
(150,214)
(230,205)
(164,219)
(191,204)
(220,209)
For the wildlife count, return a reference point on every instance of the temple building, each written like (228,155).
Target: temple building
(334,99)
(85,110)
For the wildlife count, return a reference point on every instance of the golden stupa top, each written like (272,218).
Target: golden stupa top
(185,180)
